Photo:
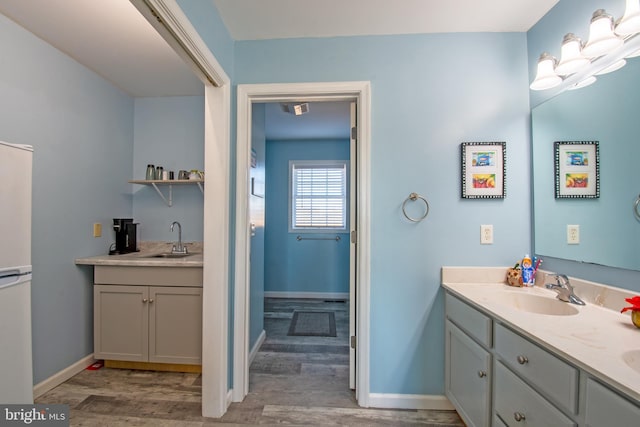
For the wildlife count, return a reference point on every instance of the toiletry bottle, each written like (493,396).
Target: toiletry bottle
(527,271)
(151,172)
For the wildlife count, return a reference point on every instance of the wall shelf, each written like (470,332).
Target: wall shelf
(157,183)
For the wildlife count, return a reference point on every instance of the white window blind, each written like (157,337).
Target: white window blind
(318,195)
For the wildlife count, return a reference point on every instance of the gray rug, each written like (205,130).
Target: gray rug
(313,324)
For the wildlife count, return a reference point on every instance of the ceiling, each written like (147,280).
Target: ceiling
(325,120)
(275,19)
(112,38)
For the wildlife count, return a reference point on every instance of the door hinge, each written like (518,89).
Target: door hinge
(353,342)
(354,236)
(354,132)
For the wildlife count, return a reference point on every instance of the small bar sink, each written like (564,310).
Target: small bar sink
(537,304)
(168,255)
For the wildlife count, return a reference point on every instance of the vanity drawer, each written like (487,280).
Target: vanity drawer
(603,406)
(469,319)
(518,404)
(554,377)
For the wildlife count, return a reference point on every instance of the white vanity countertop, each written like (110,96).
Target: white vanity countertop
(598,339)
(144,258)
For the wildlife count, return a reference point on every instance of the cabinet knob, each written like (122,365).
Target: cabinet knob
(518,416)
(522,360)
(150,300)
(482,374)
(144,300)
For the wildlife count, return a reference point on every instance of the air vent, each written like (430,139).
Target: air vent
(296,109)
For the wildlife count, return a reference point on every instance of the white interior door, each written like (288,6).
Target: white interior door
(352,249)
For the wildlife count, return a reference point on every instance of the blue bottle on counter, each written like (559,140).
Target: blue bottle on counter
(527,271)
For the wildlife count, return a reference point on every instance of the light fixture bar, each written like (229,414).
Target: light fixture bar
(629,48)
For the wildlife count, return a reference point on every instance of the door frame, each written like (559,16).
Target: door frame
(247,94)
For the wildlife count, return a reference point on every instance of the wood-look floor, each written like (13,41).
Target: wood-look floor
(298,381)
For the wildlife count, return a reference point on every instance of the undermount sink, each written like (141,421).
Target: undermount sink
(632,359)
(537,304)
(169,255)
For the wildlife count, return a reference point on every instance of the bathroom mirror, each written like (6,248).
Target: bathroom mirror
(608,112)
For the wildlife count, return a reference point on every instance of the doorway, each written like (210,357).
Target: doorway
(357,92)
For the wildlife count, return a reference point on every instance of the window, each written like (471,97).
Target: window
(318,192)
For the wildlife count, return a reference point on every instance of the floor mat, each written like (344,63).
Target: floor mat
(313,324)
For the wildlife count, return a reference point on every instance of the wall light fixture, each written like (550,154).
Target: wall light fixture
(608,45)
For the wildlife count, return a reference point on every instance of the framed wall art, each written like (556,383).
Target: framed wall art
(577,169)
(483,170)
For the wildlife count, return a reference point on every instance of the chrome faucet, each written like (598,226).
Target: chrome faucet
(563,288)
(179,248)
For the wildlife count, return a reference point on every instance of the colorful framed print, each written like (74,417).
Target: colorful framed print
(577,169)
(483,170)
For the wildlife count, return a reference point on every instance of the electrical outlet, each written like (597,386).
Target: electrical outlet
(486,234)
(573,234)
(97,229)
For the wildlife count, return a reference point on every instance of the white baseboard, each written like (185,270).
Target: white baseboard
(256,346)
(409,401)
(229,397)
(61,376)
(309,295)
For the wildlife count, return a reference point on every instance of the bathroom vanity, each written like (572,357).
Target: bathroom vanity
(148,311)
(519,356)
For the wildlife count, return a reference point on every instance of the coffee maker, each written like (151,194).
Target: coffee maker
(126,233)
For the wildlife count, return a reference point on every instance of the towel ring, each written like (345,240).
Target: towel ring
(415,196)
(635,208)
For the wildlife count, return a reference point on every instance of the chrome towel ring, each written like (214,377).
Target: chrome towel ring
(413,197)
(635,208)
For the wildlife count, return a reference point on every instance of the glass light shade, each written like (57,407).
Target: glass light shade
(613,67)
(629,24)
(602,40)
(584,83)
(634,54)
(571,59)
(546,77)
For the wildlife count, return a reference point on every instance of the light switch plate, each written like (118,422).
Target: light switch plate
(97,229)
(486,234)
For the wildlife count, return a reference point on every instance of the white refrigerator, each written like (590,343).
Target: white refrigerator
(16,371)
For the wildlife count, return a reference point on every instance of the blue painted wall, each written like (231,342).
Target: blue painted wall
(257,217)
(168,131)
(205,18)
(308,265)
(429,94)
(81,128)
(546,35)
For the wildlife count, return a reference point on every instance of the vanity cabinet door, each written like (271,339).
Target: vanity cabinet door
(467,377)
(175,325)
(604,408)
(517,404)
(121,322)
(557,379)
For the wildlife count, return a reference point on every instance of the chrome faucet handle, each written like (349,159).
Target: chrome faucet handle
(563,288)
(561,281)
